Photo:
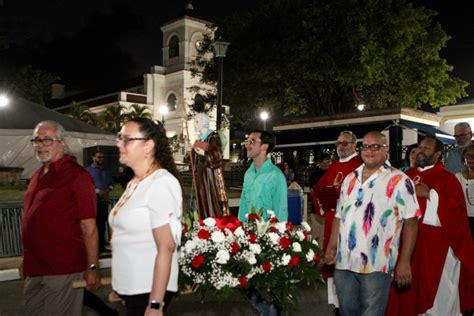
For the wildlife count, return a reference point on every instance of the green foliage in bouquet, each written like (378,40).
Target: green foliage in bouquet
(222,255)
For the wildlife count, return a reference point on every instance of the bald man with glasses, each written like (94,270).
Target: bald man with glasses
(326,194)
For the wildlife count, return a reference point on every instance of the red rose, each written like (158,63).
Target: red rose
(204,234)
(317,258)
(290,226)
(305,235)
(197,262)
(284,242)
(243,282)
(294,261)
(266,266)
(185,229)
(253,216)
(273,229)
(235,247)
(273,220)
(253,238)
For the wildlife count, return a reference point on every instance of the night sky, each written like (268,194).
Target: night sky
(98,43)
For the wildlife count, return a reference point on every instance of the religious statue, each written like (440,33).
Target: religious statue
(208,177)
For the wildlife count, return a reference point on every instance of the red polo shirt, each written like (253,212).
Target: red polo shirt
(55,203)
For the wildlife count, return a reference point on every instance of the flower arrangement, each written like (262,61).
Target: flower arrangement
(224,254)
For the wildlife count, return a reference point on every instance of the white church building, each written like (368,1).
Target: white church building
(166,89)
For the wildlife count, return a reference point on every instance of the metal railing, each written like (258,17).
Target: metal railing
(10,228)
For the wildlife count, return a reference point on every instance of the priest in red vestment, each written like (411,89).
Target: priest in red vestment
(443,259)
(326,194)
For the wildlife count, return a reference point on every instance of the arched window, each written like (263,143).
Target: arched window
(171,102)
(174,47)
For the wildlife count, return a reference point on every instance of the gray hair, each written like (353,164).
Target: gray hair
(463,125)
(53,124)
(351,134)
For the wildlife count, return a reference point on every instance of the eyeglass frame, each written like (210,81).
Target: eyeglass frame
(372,147)
(250,142)
(461,135)
(37,141)
(343,143)
(125,139)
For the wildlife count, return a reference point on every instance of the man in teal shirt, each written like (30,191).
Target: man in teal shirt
(264,183)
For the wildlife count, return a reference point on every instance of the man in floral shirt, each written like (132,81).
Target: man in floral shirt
(375,203)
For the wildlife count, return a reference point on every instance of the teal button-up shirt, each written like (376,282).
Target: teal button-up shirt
(264,189)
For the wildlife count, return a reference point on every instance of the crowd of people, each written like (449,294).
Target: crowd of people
(396,242)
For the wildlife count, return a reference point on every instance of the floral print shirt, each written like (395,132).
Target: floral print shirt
(371,218)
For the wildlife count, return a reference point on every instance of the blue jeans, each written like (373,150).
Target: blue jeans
(362,294)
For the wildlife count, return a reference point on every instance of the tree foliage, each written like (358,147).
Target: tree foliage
(30,83)
(321,57)
(82,112)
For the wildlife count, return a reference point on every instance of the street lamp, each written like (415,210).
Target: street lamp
(220,48)
(3,100)
(163,110)
(264,117)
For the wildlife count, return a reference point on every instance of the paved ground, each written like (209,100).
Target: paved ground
(312,302)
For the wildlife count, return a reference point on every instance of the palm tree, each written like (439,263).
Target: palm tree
(139,111)
(113,117)
(83,113)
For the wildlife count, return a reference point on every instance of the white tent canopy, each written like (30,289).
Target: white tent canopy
(19,118)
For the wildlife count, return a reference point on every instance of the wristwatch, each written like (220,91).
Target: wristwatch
(93,267)
(156,304)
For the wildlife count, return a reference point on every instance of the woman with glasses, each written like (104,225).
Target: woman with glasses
(146,221)
(467,181)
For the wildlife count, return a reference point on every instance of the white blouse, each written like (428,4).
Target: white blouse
(468,189)
(153,202)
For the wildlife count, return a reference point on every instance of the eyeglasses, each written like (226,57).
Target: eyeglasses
(372,147)
(47,141)
(250,142)
(125,139)
(344,143)
(461,135)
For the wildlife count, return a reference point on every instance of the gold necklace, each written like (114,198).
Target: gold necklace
(131,188)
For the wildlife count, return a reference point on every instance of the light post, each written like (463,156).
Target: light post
(220,49)
(163,110)
(264,117)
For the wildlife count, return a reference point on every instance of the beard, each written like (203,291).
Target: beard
(425,161)
(43,158)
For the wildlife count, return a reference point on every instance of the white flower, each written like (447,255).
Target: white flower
(310,255)
(255,248)
(210,222)
(306,226)
(285,259)
(300,235)
(239,232)
(252,260)
(274,238)
(262,227)
(296,247)
(270,214)
(315,242)
(281,227)
(222,256)
(218,237)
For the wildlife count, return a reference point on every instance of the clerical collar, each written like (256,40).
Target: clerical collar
(347,158)
(425,168)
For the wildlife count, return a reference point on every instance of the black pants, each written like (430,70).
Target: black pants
(93,301)
(101,220)
(137,304)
